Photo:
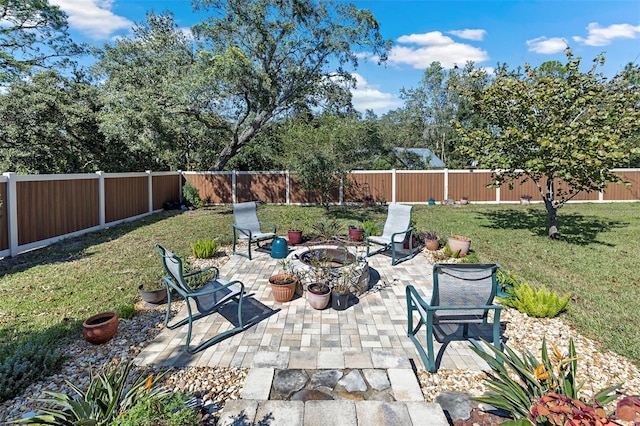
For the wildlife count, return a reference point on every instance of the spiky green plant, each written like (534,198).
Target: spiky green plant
(535,302)
(204,249)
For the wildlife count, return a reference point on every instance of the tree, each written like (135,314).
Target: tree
(157,97)
(33,33)
(563,130)
(268,58)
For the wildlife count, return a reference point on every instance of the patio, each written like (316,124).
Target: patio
(370,334)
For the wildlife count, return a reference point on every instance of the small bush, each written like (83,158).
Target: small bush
(204,249)
(28,363)
(127,312)
(151,411)
(539,303)
(327,229)
(370,228)
(191,196)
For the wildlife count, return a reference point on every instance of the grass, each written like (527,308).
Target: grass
(52,290)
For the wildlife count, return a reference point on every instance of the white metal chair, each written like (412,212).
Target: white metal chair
(247,226)
(396,229)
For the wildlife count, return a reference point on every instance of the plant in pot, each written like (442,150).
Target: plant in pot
(355,233)
(294,234)
(431,201)
(318,290)
(431,241)
(340,289)
(464,200)
(459,245)
(525,199)
(284,285)
(154,292)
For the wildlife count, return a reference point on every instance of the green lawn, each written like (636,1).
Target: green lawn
(53,289)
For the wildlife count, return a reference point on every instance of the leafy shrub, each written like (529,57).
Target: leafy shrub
(539,303)
(109,394)
(518,382)
(204,249)
(191,195)
(151,411)
(327,229)
(127,312)
(370,228)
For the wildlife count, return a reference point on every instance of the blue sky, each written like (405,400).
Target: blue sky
(451,32)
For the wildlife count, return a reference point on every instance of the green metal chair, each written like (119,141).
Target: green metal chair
(396,229)
(247,226)
(208,299)
(462,294)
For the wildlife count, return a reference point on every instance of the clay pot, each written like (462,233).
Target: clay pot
(100,328)
(283,287)
(432,245)
(152,296)
(294,237)
(459,243)
(318,296)
(355,234)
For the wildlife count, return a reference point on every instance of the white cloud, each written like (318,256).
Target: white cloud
(93,18)
(469,34)
(547,45)
(599,36)
(366,96)
(437,47)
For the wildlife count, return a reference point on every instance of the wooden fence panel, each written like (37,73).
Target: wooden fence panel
(270,188)
(125,197)
(376,184)
(50,208)
(623,192)
(4,221)
(212,188)
(299,195)
(419,187)
(166,188)
(472,184)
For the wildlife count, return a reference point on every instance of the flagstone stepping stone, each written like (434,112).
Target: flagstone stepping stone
(377,379)
(326,378)
(310,395)
(286,382)
(353,382)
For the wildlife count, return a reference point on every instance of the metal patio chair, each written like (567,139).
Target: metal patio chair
(396,229)
(208,299)
(462,294)
(247,226)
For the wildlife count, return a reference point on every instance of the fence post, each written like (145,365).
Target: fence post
(233,186)
(12,213)
(287,180)
(180,177)
(150,190)
(446,184)
(393,185)
(341,193)
(101,202)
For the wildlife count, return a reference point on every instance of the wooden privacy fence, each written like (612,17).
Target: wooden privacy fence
(40,209)
(393,186)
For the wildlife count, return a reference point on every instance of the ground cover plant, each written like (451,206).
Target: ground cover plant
(48,292)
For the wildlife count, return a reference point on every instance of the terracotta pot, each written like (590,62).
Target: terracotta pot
(355,234)
(283,287)
(152,296)
(457,244)
(318,299)
(432,245)
(100,328)
(294,237)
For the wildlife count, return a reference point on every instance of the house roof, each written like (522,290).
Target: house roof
(427,155)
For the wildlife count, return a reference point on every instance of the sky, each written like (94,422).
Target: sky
(451,32)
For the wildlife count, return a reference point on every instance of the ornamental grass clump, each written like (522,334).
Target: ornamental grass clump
(204,249)
(535,302)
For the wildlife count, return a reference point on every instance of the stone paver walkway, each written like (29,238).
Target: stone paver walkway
(370,334)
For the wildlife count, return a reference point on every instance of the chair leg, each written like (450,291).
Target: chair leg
(430,353)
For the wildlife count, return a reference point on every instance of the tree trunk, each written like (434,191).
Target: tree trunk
(240,140)
(552,211)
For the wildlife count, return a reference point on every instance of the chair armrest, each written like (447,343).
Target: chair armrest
(414,299)
(462,308)
(393,239)
(271,225)
(217,288)
(245,231)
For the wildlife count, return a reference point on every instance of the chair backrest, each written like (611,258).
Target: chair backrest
(466,284)
(172,265)
(245,216)
(398,220)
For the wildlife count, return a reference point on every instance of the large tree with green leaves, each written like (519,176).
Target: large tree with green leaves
(562,128)
(269,57)
(33,33)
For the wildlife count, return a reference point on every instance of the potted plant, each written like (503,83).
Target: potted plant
(318,295)
(525,199)
(464,200)
(340,290)
(283,286)
(367,201)
(100,328)
(459,245)
(355,233)
(294,234)
(154,292)
(431,201)
(431,241)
